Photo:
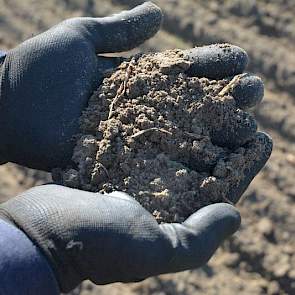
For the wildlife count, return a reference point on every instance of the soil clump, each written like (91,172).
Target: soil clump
(173,142)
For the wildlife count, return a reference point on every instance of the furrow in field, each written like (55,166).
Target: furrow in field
(271,19)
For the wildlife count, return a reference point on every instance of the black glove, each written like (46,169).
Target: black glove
(47,80)
(111,238)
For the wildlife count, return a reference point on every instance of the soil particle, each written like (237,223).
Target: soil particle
(169,140)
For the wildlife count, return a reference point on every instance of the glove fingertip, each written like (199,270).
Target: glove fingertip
(130,28)
(152,18)
(220,219)
(231,219)
(217,61)
(248,92)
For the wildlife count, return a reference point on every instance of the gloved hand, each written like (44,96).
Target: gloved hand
(111,238)
(46,81)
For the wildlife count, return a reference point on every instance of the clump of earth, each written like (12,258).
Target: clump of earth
(173,142)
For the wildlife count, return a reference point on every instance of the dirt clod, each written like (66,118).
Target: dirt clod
(173,142)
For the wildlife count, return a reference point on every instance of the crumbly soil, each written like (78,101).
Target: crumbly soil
(169,140)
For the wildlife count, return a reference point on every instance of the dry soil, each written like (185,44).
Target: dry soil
(169,140)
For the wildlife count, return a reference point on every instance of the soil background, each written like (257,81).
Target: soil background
(260,258)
